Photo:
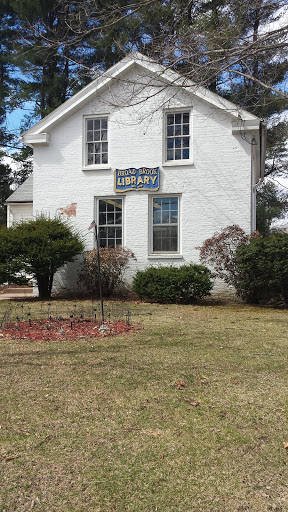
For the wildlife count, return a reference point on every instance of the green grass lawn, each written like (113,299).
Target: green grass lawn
(113,424)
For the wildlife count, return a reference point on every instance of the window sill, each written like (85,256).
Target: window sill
(163,256)
(100,167)
(176,163)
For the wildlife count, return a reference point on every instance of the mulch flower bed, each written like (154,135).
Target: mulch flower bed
(62,330)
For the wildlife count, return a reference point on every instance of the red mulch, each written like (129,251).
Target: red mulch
(56,330)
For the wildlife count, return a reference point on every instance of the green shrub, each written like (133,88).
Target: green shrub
(113,265)
(263,269)
(37,248)
(182,284)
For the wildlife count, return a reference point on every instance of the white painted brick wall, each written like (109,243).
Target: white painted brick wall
(214,192)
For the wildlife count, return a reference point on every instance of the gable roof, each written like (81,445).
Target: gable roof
(24,193)
(39,133)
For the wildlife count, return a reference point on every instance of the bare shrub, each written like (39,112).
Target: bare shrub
(113,265)
(219,252)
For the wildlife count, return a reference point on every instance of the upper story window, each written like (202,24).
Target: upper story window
(96,141)
(178,136)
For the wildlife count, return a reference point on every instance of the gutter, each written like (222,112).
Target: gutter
(262,149)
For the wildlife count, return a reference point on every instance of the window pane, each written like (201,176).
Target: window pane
(170,119)
(178,118)
(104,124)
(178,141)
(102,218)
(170,143)
(174,217)
(90,124)
(118,218)
(170,154)
(170,131)
(102,206)
(165,203)
(165,217)
(157,217)
(186,117)
(90,159)
(157,238)
(186,129)
(104,158)
(96,135)
(104,135)
(185,142)
(177,154)
(118,204)
(185,154)
(97,159)
(110,218)
(178,129)
(90,136)
(156,208)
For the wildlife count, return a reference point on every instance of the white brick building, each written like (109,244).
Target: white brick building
(202,154)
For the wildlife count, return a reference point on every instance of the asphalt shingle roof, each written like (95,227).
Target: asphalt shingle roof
(24,193)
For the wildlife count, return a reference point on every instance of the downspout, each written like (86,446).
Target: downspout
(262,139)
(9,223)
(258,166)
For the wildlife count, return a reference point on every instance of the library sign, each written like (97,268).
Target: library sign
(143,178)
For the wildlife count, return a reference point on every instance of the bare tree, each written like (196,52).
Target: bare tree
(213,42)
(236,48)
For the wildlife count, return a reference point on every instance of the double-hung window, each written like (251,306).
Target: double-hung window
(165,224)
(177,136)
(96,150)
(110,222)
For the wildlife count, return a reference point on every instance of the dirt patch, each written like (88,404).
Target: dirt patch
(62,330)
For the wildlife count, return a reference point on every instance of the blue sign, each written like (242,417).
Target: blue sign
(143,178)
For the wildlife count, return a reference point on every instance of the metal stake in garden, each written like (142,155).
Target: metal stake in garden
(94,225)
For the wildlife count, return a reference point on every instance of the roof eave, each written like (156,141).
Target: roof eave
(76,102)
(168,76)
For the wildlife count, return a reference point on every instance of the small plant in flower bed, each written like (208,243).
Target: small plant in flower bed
(182,285)
(66,329)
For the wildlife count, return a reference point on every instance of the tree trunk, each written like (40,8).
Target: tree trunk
(44,284)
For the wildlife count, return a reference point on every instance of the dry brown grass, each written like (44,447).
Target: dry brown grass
(113,424)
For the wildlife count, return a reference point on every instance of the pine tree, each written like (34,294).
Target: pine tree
(272,204)
(8,100)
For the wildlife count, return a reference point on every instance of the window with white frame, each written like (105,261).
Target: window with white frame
(178,136)
(165,224)
(96,141)
(110,222)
